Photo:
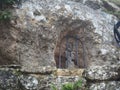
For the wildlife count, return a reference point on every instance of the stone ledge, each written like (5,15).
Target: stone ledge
(39,70)
(69,72)
(14,66)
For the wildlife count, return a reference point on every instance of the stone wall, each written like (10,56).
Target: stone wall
(103,77)
(15,79)
(95,78)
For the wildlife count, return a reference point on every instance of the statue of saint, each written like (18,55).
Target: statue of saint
(69,55)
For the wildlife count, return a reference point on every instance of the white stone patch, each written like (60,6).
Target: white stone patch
(30,14)
(68,8)
(104,51)
(90,73)
(35,81)
(40,18)
(84,1)
(57,7)
(119,62)
(29,82)
(53,27)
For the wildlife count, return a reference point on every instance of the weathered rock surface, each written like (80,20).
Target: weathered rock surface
(99,4)
(71,72)
(28,82)
(8,80)
(103,77)
(46,82)
(113,85)
(33,41)
(14,79)
(103,73)
(110,6)
(38,26)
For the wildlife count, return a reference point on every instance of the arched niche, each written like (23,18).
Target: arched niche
(70,50)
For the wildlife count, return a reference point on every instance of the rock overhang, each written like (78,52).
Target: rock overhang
(41,22)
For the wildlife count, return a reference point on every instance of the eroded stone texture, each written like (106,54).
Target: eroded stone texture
(8,80)
(8,46)
(13,79)
(35,35)
(28,82)
(46,82)
(99,4)
(69,72)
(76,29)
(36,31)
(111,85)
(41,23)
(101,73)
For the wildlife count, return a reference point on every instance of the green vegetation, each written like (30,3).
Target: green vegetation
(5,13)
(53,87)
(8,1)
(117,2)
(69,86)
(114,12)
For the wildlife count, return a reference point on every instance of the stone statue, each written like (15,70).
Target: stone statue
(69,55)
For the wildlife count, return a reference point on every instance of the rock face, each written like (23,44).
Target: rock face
(38,27)
(8,80)
(104,77)
(13,79)
(28,82)
(100,73)
(34,38)
(105,86)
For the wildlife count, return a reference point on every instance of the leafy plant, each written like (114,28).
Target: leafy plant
(5,15)
(8,1)
(69,86)
(77,85)
(53,87)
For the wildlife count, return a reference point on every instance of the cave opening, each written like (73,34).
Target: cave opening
(70,51)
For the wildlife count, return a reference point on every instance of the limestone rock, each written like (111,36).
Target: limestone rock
(100,4)
(38,29)
(40,70)
(28,82)
(103,73)
(46,82)
(33,40)
(67,72)
(111,85)
(61,80)
(8,80)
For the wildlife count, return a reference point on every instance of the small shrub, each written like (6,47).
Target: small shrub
(5,6)
(53,87)
(69,86)
(77,85)
(5,15)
